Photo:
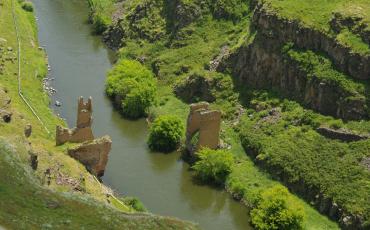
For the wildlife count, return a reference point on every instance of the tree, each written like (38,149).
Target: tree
(165,133)
(213,165)
(277,210)
(134,85)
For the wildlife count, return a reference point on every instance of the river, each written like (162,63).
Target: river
(79,62)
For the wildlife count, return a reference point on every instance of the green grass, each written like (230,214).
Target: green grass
(319,66)
(247,179)
(24,204)
(290,149)
(318,13)
(353,41)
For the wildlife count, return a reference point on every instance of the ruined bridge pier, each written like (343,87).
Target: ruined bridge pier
(205,122)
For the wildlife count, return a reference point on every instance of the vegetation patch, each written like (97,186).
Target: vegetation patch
(290,149)
(213,165)
(276,210)
(133,88)
(165,133)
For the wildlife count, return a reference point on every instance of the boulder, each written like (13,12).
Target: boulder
(6,116)
(28,130)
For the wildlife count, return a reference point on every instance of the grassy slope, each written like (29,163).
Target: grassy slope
(207,37)
(318,13)
(291,147)
(25,203)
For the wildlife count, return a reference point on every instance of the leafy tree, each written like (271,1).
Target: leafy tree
(165,133)
(277,210)
(213,165)
(134,86)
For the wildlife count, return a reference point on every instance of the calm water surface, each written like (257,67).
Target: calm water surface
(79,62)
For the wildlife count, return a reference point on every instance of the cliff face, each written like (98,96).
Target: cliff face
(262,65)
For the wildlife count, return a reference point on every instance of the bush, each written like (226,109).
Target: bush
(134,86)
(230,9)
(135,203)
(213,165)
(165,133)
(277,210)
(336,124)
(27,6)
(100,24)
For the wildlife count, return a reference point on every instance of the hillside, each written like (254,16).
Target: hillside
(41,186)
(292,81)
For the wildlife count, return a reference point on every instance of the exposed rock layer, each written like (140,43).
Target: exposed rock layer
(262,65)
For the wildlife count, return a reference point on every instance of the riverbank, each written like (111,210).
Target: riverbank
(53,191)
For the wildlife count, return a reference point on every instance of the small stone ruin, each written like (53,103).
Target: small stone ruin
(93,153)
(206,124)
(82,132)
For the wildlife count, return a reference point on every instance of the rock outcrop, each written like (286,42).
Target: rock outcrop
(28,130)
(5,113)
(262,65)
(341,134)
(195,88)
(93,154)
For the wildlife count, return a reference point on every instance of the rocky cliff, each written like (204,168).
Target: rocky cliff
(280,58)
(263,65)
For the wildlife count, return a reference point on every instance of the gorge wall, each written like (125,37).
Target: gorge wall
(263,65)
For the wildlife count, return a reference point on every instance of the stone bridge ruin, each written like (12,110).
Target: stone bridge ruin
(93,153)
(203,127)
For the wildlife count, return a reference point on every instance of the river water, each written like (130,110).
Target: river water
(79,62)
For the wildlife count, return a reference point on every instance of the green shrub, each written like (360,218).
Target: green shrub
(100,24)
(135,203)
(213,165)
(336,124)
(165,133)
(27,6)
(277,210)
(134,86)
(230,9)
